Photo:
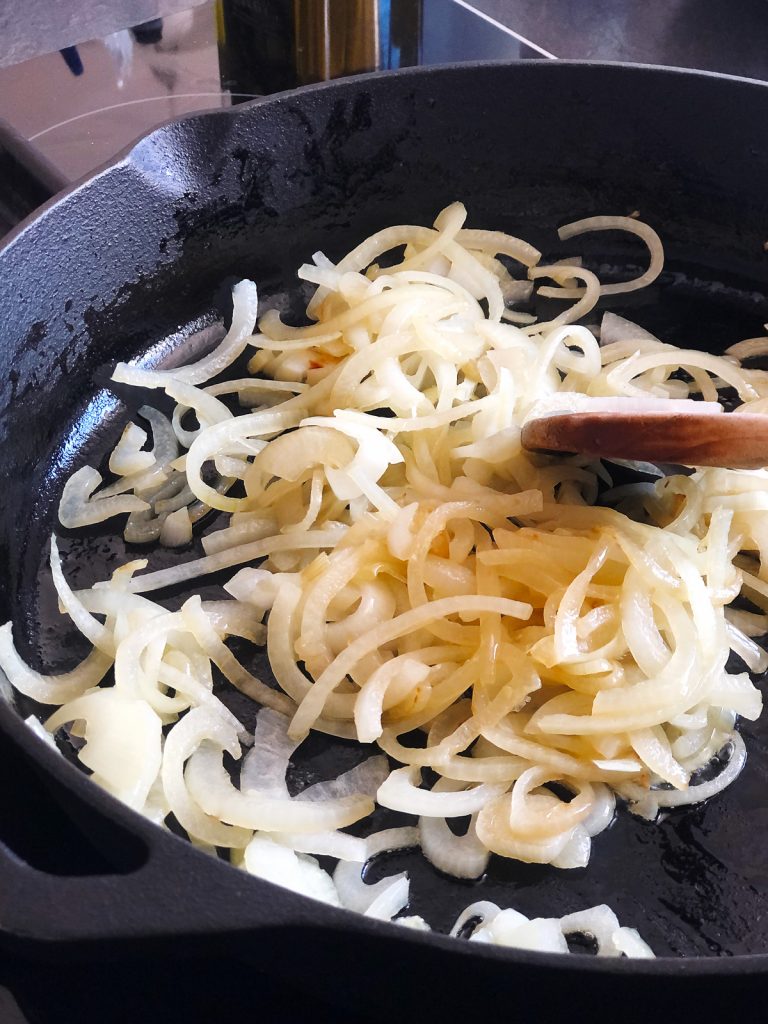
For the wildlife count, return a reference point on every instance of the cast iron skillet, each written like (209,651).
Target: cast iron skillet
(141,255)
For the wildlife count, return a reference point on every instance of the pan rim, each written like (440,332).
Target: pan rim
(127,154)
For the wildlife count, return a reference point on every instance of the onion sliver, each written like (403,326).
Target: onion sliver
(400,792)
(277,863)
(122,742)
(634,227)
(245,303)
(53,689)
(213,791)
(460,856)
(185,738)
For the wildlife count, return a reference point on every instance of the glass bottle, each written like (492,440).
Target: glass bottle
(269,45)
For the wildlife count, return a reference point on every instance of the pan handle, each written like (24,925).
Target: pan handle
(129,880)
(78,916)
(29,177)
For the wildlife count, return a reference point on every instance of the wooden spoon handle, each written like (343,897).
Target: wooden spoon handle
(733,440)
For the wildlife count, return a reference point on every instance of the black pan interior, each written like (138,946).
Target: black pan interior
(141,257)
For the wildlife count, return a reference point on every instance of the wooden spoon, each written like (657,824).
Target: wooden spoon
(733,440)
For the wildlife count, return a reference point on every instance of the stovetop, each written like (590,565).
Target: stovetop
(68,113)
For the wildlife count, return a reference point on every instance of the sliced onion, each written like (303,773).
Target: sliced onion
(389,839)
(542,934)
(37,727)
(705,790)
(634,227)
(242,533)
(256,587)
(628,941)
(460,856)
(127,456)
(355,894)
(278,864)
(576,852)
(213,791)
(161,578)
(483,912)
(324,844)
(165,447)
(266,763)
(198,727)
(176,531)
(55,689)
(200,626)
(598,922)
(390,901)
(748,349)
(615,328)
(415,922)
(400,792)
(122,742)
(754,657)
(244,311)
(364,779)
(80,507)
